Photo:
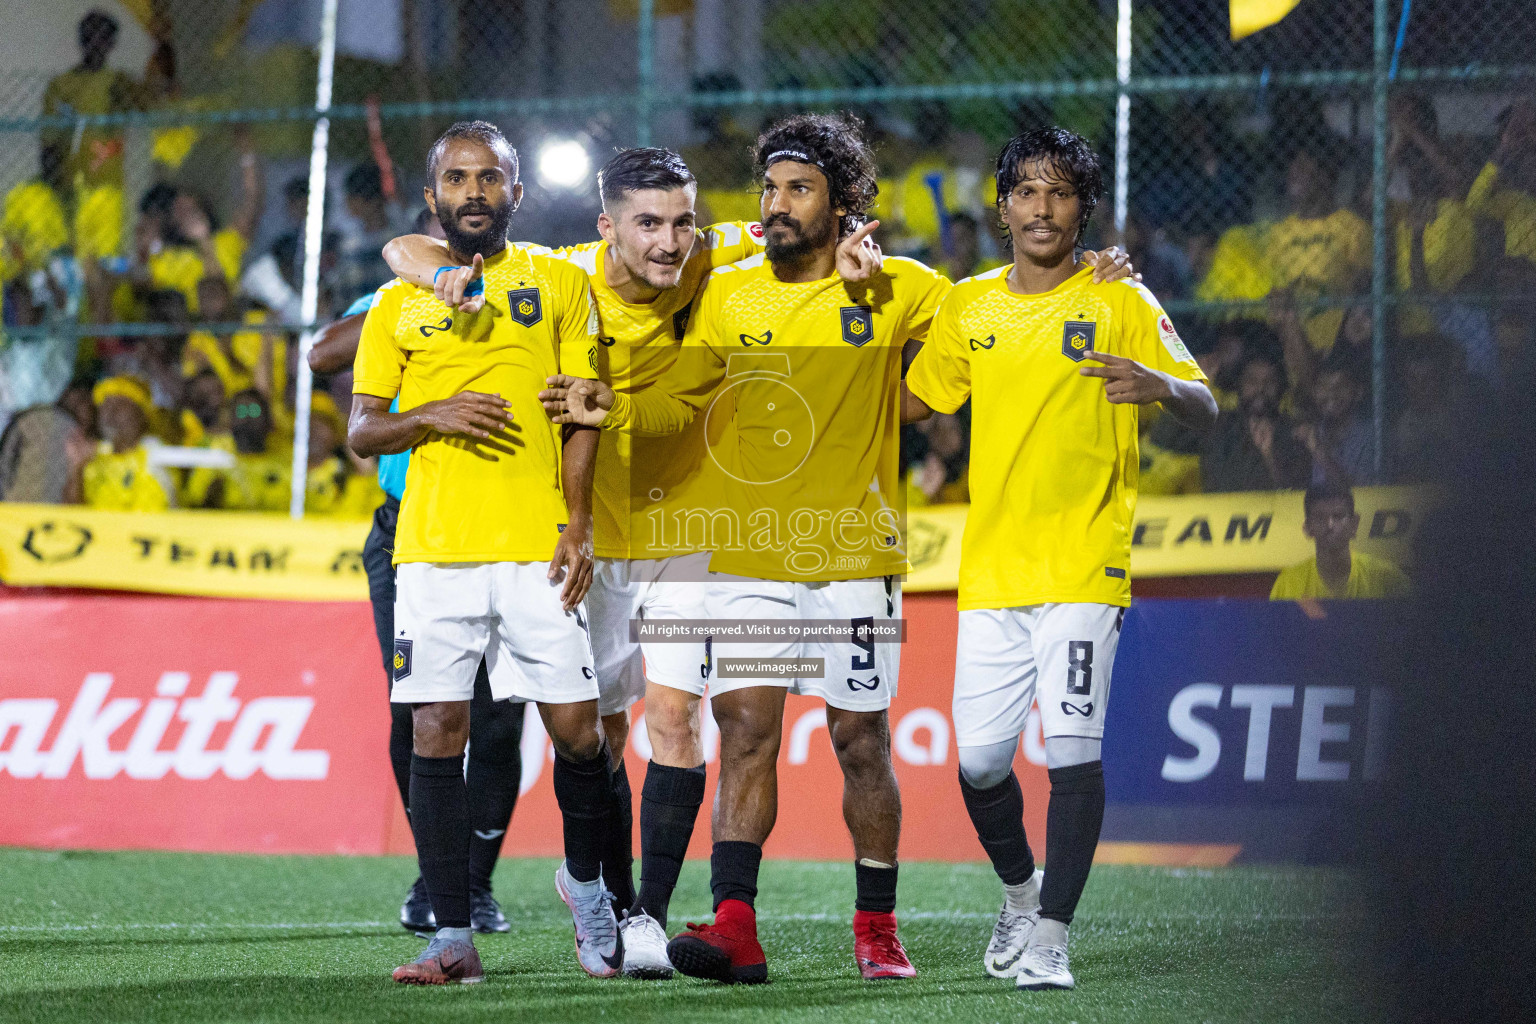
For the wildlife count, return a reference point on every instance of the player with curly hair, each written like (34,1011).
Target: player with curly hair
(795,373)
(1045,561)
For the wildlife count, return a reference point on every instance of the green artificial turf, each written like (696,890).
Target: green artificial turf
(89,937)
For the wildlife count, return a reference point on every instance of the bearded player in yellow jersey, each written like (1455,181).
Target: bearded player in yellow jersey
(1055,367)
(645,272)
(493,547)
(793,373)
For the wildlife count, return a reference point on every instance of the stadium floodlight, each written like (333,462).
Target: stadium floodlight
(563,163)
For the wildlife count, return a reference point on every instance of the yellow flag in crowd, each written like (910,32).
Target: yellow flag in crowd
(1248,16)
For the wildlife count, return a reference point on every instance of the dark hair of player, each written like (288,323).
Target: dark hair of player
(641,169)
(836,144)
(1327,491)
(479,131)
(1060,156)
(424,220)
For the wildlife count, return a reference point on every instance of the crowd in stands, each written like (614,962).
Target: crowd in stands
(195,409)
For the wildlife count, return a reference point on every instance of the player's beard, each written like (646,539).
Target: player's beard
(639,266)
(803,241)
(488,241)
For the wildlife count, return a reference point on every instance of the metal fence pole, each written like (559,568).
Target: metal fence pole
(1379,228)
(646,91)
(1122,117)
(309,298)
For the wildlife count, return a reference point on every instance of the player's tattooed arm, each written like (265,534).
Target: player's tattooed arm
(1112,264)
(913,409)
(858,256)
(373,430)
(424,261)
(573,551)
(1127,382)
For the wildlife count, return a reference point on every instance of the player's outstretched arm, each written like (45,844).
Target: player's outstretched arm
(419,258)
(576,400)
(913,409)
(573,551)
(858,256)
(336,347)
(373,430)
(1111,264)
(1129,382)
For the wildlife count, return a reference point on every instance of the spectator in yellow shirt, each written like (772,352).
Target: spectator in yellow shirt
(1336,572)
(124,475)
(259,479)
(239,358)
(179,241)
(91,156)
(1505,190)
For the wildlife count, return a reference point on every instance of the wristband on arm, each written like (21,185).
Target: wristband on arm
(477,287)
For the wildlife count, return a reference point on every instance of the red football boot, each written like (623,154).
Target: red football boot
(726,951)
(876,949)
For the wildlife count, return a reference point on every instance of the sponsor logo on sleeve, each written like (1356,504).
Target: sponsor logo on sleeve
(1171,340)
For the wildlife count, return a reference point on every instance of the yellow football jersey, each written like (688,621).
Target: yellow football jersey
(1054,465)
(640,480)
(203,349)
(126,482)
(796,385)
(1369,578)
(180,267)
(1320,256)
(467,500)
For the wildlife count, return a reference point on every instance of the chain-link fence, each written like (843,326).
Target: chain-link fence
(1350,192)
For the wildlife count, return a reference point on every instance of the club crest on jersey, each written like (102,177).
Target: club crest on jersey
(526,307)
(986,342)
(401,662)
(1077,339)
(751,339)
(680,322)
(858,324)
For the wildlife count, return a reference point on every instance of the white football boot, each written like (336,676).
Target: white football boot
(645,948)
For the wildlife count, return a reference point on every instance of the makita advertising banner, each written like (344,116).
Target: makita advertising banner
(262,726)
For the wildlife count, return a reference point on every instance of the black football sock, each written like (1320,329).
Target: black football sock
(400,751)
(493,774)
(440,822)
(619,842)
(875,887)
(669,806)
(733,872)
(584,790)
(1072,824)
(998,814)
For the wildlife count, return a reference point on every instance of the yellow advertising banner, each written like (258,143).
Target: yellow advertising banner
(223,554)
(215,554)
(1194,534)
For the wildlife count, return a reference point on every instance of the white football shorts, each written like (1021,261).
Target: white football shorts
(449,616)
(654,589)
(855,676)
(1006,658)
